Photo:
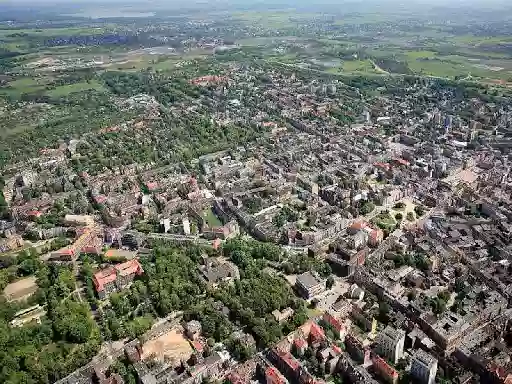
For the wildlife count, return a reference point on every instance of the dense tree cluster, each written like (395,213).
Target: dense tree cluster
(66,338)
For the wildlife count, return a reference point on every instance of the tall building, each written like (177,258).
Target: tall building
(384,370)
(448,123)
(390,343)
(424,367)
(309,285)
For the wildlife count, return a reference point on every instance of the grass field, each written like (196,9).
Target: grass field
(211,219)
(24,85)
(65,90)
(274,19)
(49,32)
(353,66)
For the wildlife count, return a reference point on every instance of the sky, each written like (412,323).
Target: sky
(173,4)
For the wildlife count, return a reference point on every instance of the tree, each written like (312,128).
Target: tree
(384,310)
(399,216)
(330,282)
(419,210)
(367,208)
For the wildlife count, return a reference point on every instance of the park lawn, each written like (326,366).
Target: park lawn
(357,66)
(385,221)
(476,40)
(24,85)
(413,55)
(276,19)
(164,65)
(65,90)
(438,68)
(50,32)
(211,219)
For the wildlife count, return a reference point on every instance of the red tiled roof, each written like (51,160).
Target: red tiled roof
(109,275)
(335,323)
(67,251)
(103,277)
(382,165)
(300,343)
(129,268)
(234,378)
(384,367)
(402,161)
(360,224)
(376,233)
(208,79)
(274,376)
(288,359)
(91,249)
(152,186)
(100,199)
(316,333)
(197,346)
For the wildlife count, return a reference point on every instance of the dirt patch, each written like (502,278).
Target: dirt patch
(21,289)
(171,346)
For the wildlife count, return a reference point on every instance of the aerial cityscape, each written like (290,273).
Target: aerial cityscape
(255,192)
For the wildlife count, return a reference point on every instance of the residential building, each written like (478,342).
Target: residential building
(286,363)
(309,285)
(227,231)
(424,367)
(116,278)
(193,329)
(338,327)
(390,343)
(214,272)
(384,370)
(273,376)
(283,315)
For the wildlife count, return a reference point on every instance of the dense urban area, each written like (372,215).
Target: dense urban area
(250,194)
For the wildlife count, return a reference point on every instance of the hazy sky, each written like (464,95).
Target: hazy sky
(148,5)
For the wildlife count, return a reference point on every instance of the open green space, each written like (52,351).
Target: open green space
(211,219)
(65,90)
(12,33)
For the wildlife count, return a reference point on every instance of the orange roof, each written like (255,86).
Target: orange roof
(274,376)
(129,268)
(197,346)
(336,349)
(384,367)
(109,275)
(374,234)
(360,224)
(234,378)
(402,161)
(335,323)
(103,277)
(316,333)
(300,343)
(382,165)
(67,251)
(91,249)
(289,360)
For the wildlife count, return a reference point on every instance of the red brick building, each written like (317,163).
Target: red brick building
(383,369)
(116,278)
